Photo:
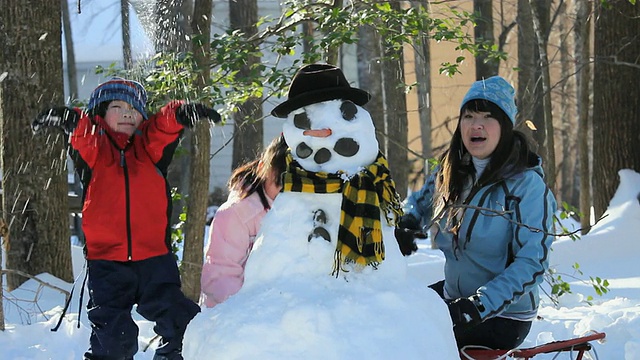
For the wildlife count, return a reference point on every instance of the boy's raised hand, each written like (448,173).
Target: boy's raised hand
(64,118)
(188,114)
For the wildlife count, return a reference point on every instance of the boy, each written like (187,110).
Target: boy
(122,156)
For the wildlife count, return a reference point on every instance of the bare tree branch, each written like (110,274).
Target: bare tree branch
(505,214)
(39,281)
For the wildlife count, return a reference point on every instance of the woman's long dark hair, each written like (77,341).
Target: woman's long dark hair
(251,177)
(511,156)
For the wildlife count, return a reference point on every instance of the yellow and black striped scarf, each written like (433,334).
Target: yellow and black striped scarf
(364,195)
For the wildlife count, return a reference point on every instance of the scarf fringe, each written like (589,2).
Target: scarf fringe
(344,255)
(338,264)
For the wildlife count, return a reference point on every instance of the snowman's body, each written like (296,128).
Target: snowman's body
(288,244)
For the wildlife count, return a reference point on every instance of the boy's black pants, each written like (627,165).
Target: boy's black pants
(154,285)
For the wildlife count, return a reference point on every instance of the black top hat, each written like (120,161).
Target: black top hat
(317,83)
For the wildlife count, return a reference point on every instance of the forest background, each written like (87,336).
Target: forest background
(576,67)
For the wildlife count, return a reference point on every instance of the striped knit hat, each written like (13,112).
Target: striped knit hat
(117,88)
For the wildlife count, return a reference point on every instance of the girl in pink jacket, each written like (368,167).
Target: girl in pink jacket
(252,188)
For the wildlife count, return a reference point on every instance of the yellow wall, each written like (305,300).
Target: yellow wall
(445,97)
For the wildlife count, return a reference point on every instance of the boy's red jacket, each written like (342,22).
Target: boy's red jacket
(127,199)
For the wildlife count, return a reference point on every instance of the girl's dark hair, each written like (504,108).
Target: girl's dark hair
(512,155)
(251,177)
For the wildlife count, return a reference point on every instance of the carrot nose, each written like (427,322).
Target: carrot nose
(317,133)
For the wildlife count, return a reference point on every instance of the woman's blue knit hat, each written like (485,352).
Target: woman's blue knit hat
(117,88)
(496,90)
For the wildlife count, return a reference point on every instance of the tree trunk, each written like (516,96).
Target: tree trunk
(34,202)
(126,35)
(567,127)
(248,133)
(583,75)
(72,75)
(423,77)
(370,78)
(530,91)
(396,113)
(483,33)
(533,102)
(308,28)
(199,179)
(333,53)
(540,26)
(172,18)
(616,144)
(4,237)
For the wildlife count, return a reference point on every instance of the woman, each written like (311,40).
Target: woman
(253,187)
(492,218)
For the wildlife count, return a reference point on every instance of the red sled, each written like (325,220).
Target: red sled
(578,345)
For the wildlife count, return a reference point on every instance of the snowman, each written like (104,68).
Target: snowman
(337,189)
(326,262)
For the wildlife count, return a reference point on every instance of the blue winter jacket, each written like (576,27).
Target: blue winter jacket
(497,259)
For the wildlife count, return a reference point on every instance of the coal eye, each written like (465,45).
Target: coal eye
(346,147)
(303,151)
(349,110)
(322,156)
(301,121)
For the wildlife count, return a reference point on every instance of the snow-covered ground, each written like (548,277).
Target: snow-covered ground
(610,251)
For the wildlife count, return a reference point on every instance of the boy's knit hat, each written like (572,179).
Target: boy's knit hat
(117,88)
(496,90)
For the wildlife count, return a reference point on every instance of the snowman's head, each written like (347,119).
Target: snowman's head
(327,129)
(331,136)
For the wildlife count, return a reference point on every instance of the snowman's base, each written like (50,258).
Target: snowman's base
(325,319)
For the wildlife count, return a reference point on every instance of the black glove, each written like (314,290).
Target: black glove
(406,241)
(62,117)
(188,114)
(408,221)
(465,313)
(406,233)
